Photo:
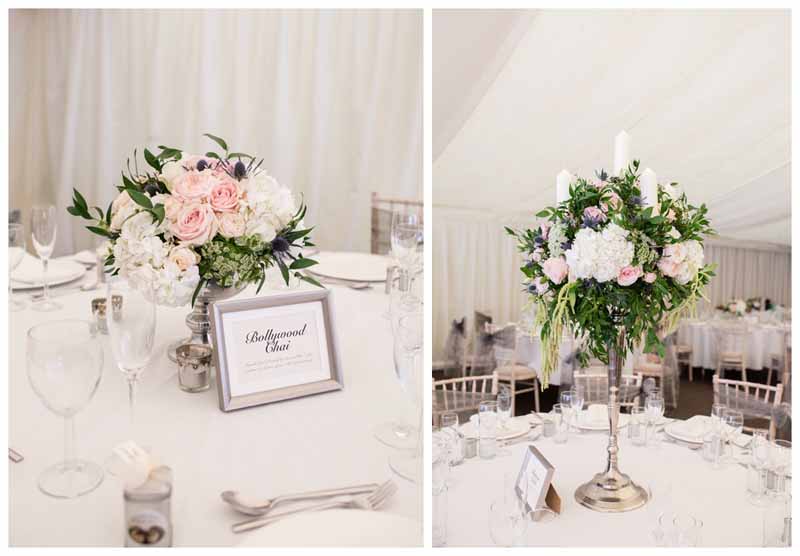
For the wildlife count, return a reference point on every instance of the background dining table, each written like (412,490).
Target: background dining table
(678,477)
(763,340)
(309,443)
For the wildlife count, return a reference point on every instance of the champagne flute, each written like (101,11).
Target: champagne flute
(65,364)
(16,252)
(410,335)
(732,424)
(43,233)
(131,330)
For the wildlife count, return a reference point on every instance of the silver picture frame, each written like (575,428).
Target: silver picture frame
(218,310)
(532,454)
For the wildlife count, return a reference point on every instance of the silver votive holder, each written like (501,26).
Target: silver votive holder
(194,367)
(99,314)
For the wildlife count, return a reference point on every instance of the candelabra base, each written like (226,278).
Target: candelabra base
(611,492)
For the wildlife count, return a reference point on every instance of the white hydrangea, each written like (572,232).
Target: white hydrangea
(600,255)
(266,205)
(143,259)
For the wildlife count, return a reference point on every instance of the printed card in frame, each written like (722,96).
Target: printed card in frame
(534,483)
(274,348)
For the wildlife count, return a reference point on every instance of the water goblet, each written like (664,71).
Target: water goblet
(654,411)
(65,364)
(131,322)
(759,457)
(717,410)
(43,234)
(16,252)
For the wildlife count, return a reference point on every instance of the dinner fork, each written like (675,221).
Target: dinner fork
(373,501)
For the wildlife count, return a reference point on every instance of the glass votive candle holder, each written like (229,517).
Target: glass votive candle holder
(99,314)
(148,511)
(194,367)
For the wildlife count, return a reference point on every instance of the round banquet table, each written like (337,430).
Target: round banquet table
(762,341)
(309,443)
(678,477)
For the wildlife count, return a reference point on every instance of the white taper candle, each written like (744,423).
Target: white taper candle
(622,152)
(648,185)
(562,186)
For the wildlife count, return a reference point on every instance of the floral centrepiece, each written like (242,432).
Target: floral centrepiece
(188,220)
(602,259)
(739,307)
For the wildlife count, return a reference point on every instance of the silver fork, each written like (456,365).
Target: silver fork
(372,501)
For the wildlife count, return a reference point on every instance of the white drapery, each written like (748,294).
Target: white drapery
(331,99)
(476,267)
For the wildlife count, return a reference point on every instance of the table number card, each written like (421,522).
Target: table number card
(534,482)
(274,348)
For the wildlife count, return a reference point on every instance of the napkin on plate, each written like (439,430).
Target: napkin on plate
(694,427)
(30,271)
(596,412)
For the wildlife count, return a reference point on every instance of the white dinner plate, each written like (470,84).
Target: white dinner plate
(341,528)
(678,431)
(600,424)
(64,272)
(354,267)
(513,428)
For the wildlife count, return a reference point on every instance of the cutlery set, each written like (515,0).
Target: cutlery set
(370,496)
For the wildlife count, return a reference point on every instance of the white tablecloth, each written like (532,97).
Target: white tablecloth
(762,341)
(679,477)
(309,443)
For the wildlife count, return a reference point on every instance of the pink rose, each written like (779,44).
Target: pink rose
(231,224)
(595,214)
(668,266)
(195,225)
(556,269)
(628,275)
(224,196)
(545,228)
(614,200)
(194,185)
(650,277)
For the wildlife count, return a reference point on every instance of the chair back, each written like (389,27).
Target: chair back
(594,382)
(381,221)
(730,338)
(754,400)
(486,384)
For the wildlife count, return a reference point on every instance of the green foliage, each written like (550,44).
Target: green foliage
(595,310)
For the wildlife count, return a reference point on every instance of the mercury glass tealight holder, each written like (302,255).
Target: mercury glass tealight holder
(99,314)
(194,367)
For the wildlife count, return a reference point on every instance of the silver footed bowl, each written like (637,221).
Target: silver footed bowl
(198,321)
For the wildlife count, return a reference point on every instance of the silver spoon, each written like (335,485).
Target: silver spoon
(258,508)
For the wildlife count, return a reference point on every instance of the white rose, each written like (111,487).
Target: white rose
(171,171)
(183,257)
(260,188)
(121,209)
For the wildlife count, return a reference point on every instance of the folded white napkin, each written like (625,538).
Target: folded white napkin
(596,412)
(85,257)
(29,270)
(694,427)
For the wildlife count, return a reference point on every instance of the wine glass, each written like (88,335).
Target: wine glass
(732,424)
(503,405)
(410,336)
(131,331)
(717,410)
(43,233)
(16,252)
(407,231)
(65,364)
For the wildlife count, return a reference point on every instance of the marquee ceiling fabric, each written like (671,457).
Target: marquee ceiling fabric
(705,96)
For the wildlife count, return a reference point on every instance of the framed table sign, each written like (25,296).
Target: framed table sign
(274,348)
(534,483)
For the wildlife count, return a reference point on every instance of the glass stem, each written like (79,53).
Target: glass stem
(46,291)
(69,441)
(133,378)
